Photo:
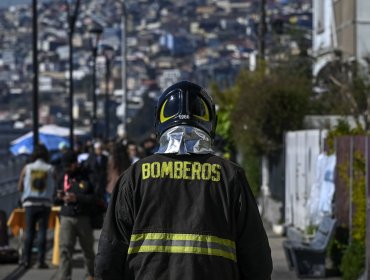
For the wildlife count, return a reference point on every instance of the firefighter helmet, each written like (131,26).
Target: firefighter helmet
(185,103)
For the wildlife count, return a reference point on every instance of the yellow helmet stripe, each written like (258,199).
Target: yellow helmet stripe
(162,118)
(206,115)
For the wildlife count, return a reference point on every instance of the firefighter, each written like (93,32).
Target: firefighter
(183,213)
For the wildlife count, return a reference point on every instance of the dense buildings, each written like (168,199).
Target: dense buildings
(201,40)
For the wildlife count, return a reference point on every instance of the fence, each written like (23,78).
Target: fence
(302,149)
(9,174)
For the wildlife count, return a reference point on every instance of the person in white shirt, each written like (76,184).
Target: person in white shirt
(37,185)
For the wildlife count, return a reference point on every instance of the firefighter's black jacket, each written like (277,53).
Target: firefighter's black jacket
(183,217)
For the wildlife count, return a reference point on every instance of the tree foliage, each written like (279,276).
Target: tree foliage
(254,114)
(345,91)
(267,106)
(225,105)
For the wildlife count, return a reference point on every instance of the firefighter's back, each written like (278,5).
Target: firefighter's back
(184,225)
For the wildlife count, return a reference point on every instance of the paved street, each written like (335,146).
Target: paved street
(280,272)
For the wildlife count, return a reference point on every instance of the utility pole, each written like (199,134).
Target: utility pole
(107,80)
(72,17)
(94,118)
(261,63)
(108,52)
(262,31)
(96,32)
(35,66)
(124,67)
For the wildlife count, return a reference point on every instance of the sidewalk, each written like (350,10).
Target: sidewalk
(280,272)
(78,271)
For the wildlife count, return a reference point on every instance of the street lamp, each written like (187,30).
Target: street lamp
(72,17)
(124,67)
(108,52)
(95,32)
(262,31)
(35,98)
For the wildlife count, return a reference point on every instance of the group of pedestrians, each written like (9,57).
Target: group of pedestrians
(80,182)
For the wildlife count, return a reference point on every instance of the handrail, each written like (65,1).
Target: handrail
(8,186)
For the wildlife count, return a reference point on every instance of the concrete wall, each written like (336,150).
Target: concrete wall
(352,20)
(344,13)
(363,28)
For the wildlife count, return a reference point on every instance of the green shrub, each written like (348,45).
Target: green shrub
(338,246)
(353,261)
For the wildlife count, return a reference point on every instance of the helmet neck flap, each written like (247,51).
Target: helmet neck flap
(184,139)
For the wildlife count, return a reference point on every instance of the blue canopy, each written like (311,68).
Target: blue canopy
(24,145)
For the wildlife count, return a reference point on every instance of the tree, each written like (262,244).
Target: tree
(254,114)
(346,90)
(268,105)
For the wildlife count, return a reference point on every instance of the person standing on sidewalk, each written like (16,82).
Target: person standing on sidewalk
(78,200)
(37,185)
(118,162)
(97,164)
(183,213)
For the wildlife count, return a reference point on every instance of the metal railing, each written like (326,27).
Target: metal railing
(9,174)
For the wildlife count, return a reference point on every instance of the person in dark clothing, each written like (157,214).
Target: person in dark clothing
(183,213)
(97,164)
(118,162)
(76,194)
(132,151)
(149,145)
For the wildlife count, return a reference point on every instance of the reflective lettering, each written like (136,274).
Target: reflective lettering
(206,171)
(167,169)
(187,169)
(216,174)
(155,170)
(178,170)
(145,170)
(197,168)
(181,170)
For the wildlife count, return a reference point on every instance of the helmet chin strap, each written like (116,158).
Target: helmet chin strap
(185,140)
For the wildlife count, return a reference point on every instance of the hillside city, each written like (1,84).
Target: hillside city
(290,83)
(203,41)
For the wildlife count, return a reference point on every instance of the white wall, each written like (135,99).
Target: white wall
(302,150)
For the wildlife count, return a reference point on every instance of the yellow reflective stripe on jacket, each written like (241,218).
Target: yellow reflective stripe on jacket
(183,236)
(182,243)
